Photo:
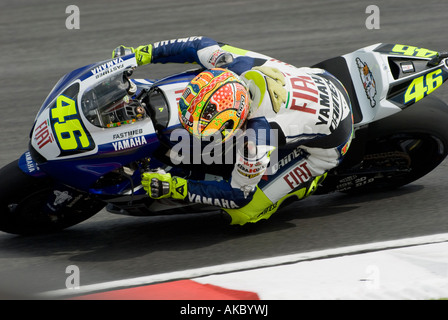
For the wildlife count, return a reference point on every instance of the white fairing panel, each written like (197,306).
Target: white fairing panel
(371,77)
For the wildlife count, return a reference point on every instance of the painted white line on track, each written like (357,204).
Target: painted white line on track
(245,265)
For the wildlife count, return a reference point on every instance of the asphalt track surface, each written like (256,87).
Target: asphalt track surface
(37,49)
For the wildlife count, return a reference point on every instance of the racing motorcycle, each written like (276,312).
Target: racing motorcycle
(98,130)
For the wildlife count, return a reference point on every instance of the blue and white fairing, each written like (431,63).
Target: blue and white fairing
(77,139)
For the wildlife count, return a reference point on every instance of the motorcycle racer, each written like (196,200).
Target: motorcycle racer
(275,104)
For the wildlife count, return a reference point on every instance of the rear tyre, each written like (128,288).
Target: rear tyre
(28,205)
(409,156)
(399,150)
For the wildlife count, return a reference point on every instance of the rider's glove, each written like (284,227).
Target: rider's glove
(223,60)
(159,184)
(143,54)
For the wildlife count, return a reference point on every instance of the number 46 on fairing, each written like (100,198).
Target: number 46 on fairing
(69,130)
(423,85)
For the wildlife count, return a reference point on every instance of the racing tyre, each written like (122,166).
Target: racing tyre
(415,141)
(399,149)
(28,205)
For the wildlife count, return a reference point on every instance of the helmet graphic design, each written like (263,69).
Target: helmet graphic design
(216,100)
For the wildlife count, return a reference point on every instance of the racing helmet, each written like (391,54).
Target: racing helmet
(215,101)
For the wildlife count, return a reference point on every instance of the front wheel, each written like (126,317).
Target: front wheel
(30,205)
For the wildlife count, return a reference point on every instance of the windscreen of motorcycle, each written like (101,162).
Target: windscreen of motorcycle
(108,104)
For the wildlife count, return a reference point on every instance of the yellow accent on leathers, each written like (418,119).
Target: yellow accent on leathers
(261,207)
